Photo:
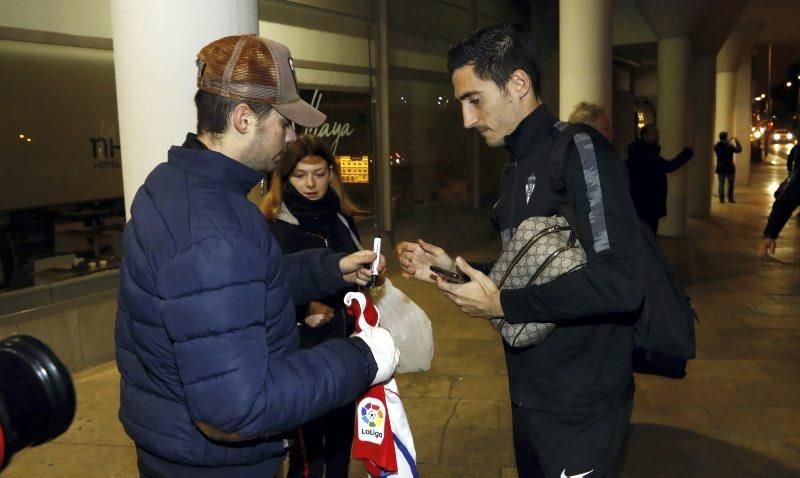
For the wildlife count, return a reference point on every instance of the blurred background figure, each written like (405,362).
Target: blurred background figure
(593,115)
(648,175)
(786,202)
(726,167)
(306,209)
(791,160)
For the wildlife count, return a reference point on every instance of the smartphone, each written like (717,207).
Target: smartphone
(449,276)
(373,271)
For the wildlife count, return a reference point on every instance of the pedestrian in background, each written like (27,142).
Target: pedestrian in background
(726,166)
(648,175)
(594,116)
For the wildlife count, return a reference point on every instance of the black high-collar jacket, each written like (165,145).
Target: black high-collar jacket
(584,366)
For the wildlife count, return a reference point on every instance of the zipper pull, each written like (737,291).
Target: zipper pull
(263,185)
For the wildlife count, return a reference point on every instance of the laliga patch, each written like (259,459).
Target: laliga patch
(371,420)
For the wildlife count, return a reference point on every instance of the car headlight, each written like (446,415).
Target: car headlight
(789,136)
(776,137)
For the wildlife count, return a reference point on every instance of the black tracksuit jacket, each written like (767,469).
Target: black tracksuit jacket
(584,366)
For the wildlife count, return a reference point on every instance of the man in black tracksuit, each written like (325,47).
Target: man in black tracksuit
(572,394)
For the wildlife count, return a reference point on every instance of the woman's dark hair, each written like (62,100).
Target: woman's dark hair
(305,145)
(213,111)
(496,52)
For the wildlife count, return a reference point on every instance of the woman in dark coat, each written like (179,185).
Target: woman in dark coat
(306,209)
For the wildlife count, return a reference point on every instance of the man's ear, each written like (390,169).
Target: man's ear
(520,84)
(242,118)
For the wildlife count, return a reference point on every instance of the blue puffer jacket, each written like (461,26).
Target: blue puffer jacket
(205,328)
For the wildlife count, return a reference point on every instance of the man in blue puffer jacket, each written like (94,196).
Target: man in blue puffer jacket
(207,347)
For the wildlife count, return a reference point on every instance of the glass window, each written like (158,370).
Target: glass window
(348,129)
(430,149)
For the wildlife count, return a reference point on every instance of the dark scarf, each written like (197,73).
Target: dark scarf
(320,217)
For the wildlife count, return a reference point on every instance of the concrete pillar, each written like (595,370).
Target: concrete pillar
(674,58)
(734,92)
(585,64)
(741,126)
(155,46)
(703,81)
(726,95)
(677,23)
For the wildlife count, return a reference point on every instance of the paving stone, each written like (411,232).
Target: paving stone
(477,447)
(484,387)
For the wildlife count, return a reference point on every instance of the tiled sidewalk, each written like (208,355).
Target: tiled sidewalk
(736,414)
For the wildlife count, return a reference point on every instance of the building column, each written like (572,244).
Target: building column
(155,46)
(674,59)
(744,111)
(585,64)
(726,94)
(703,81)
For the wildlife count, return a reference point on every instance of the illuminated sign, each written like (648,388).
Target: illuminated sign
(353,169)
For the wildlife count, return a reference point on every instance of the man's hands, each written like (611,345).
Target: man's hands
(766,247)
(355,267)
(416,259)
(478,298)
(318,314)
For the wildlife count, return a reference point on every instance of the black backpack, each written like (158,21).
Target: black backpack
(664,335)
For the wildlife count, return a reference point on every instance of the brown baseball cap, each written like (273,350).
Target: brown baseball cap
(254,69)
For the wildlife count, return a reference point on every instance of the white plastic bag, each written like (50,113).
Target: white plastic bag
(410,328)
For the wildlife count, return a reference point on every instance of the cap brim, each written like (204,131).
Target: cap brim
(301,113)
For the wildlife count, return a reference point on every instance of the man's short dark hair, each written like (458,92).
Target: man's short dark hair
(723,135)
(496,52)
(213,111)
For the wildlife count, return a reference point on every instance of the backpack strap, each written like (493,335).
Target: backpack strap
(568,134)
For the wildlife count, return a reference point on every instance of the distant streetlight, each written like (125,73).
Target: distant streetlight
(788,84)
(763,95)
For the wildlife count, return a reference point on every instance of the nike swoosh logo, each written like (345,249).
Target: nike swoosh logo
(581,475)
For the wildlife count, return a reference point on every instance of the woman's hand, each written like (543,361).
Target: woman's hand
(318,314)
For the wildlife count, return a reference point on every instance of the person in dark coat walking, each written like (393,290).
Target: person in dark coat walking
(726,168)
(648,175)
(307,209)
